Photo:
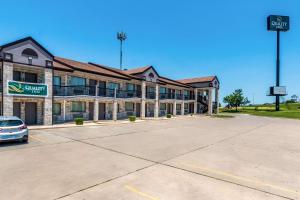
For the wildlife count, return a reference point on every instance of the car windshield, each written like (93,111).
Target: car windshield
(4,123)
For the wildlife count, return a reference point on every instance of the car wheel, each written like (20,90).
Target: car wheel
(25,139)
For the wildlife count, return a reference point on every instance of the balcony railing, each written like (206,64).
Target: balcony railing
(189,97)
(150,95)
(74,90)
(166,96)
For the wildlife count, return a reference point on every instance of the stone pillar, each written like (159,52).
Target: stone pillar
(210,108)
(64,110)
(48,99)
(156,107)
(217,99)
(115,110)
(196,101)
(7,99)
(182,108)
(174,108)
(96,110)
(143,104)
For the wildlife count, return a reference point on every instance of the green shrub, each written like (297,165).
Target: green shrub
(78,121)
(132,118)
(169,115)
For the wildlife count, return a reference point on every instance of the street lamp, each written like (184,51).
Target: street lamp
(122,37)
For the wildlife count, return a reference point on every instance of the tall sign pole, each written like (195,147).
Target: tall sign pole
(122,37)
(278,23)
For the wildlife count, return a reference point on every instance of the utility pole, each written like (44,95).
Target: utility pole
(122,37)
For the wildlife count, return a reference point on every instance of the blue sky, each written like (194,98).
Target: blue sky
(180,38)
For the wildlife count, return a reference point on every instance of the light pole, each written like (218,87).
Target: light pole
(122,37)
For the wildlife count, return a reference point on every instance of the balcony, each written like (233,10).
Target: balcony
(189,97)
(166,96)
(150,95)
(74,90)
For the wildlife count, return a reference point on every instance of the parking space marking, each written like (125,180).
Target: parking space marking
(36,138)
(136,191)
(243,181)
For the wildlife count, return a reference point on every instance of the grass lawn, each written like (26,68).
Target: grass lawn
(290,110)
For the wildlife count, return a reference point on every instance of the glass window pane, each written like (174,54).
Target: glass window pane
(56,80)
(130,86)
(56,108)
(77,81)
(129,106)
(10,123)
(163,106)
(113,86)
(162,90)
(78,106)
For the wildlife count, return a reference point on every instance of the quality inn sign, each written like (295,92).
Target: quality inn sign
(27,89)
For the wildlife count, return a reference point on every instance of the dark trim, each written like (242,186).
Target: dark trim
(8,60)
(65,70)
(115,71)
(91,72)
(179,84)
(2,105)
(23,40)
(28,64)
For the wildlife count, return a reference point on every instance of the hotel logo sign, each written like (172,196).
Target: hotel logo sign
(27,89)
(278,23)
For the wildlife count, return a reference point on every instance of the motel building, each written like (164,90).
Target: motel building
(41,88)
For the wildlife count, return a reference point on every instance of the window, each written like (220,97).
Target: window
(151,75)
(113,86)
(186,106)
(178,106)
(12,122)
(163,106)
(30,77)
(57,80)
(151,89)
(130,87)
(17,76)
(78,106)
(129,106)
(29,53)
(185,92)
(77,81)
(163,90)
(56,109)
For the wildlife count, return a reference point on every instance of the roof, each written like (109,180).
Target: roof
(138,70)
(197,79)
(23,40)
(172,82)
(86,67)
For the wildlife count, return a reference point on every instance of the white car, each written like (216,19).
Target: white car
(13,129)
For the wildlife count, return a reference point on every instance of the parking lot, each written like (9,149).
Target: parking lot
(200,157)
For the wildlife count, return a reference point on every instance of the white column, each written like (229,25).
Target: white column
(196,101)
(115,106)
(48,100)
(182,108)
(174,108)
(143,105)
(156,107)
(64,110)
(217,99)
(7,99)
(96,110)
(210,108)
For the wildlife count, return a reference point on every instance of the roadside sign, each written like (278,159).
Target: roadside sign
(278,23)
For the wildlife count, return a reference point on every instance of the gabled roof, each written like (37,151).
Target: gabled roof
(23,40)
(85,67)
(138,70)
(198,79)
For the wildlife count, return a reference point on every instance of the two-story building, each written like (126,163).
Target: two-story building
(41,88)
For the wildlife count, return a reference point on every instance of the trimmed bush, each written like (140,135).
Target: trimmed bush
(132,118)
(169,115)
(78,121)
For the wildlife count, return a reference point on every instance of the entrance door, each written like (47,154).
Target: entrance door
(101,111)
(17,109)
(169,108)
(191,107)
(91,110)
(102,88)
(30,113)
(138,109)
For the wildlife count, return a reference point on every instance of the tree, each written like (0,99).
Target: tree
(294,98)
(236,99)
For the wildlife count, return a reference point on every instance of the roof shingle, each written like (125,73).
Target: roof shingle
(197,79)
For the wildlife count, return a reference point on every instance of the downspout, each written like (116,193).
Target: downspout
(52,92)
(2,89)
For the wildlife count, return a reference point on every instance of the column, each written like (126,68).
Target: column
(174,108)
(64,109)
(182,108)
(217,99)
(7,99)
(196,101)
(48,99)
(156,107)
(143,105)
(96,110)
(115,110)
(210,106)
